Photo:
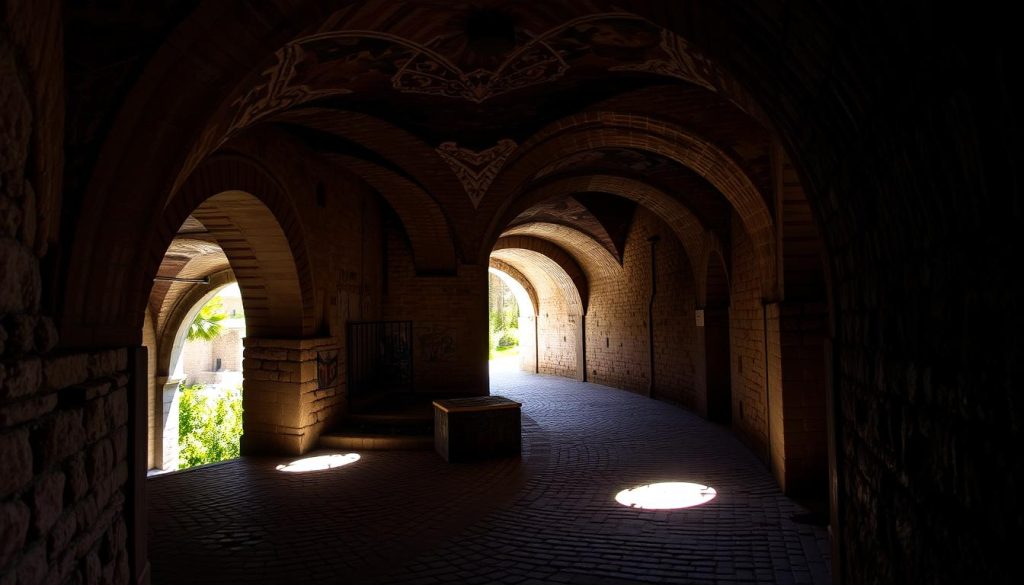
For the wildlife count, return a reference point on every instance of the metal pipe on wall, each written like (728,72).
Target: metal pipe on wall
(650,311)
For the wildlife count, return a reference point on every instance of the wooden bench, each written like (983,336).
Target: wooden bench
(466,429)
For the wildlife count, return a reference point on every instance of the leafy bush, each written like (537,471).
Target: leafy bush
(209,427)
(508,338)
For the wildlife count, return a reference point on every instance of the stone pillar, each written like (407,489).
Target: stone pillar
(802,332)
(287,399)
(166,432)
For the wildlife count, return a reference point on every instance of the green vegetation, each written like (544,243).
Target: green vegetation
(507,351)
(503,319)
(206,326)
(509,338)
(209,427)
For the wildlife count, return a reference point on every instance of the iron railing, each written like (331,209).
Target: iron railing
(379,359)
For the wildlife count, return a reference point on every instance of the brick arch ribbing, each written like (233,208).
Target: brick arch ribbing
(405,150)
(429,232)
(177,311)
(593,130)
(557,263)
(167,128)
(125,260)
(252,218)
(202,266)
(516,275)
(597,262)
(687,227)
(547,277)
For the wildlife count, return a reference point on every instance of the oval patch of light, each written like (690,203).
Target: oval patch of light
(319,463)
(666,496)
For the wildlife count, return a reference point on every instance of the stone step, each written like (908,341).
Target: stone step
(399,423)
(377,442)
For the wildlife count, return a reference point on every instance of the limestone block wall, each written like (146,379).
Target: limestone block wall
(63,443)
(63,417)
(284,405)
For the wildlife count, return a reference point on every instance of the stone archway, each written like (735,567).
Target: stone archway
(529,303)
(560,321)
(170,371)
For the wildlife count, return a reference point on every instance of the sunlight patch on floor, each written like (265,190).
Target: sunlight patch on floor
(319,463)
(666,496)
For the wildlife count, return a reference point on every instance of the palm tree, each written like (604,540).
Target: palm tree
(206,326)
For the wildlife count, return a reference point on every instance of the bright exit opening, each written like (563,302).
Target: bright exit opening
(503,321)
(210,390)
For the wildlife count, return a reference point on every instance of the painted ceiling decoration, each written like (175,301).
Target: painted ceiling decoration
(367,63)
(342,62)
(476,170)
(678,61)
(430,73)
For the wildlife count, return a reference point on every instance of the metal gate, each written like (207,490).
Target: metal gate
(379,359)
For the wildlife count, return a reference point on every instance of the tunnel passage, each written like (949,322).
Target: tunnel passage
(903,148)
(678,303)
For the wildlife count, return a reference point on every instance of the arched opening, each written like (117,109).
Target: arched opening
(199,404)
(192,271)
(558,324)
(903,172)
(516,345)
(230,249)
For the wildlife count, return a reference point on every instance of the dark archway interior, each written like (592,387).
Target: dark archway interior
(794,222)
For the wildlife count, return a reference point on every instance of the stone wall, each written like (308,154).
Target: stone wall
(285,404)
(802,329)
(678,351)
(528,348)
(558,334)
(341,223)
(201,356)
(449,315)
(154,418)
(747,346)
(63,417)
(64,441)
(618,338)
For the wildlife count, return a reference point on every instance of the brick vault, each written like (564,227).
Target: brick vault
(794,221)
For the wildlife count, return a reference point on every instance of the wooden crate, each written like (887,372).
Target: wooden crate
(467,429)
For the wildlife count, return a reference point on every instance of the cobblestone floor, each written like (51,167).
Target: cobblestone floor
(549,517)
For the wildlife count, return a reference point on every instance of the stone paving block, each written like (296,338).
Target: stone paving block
(406,517)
